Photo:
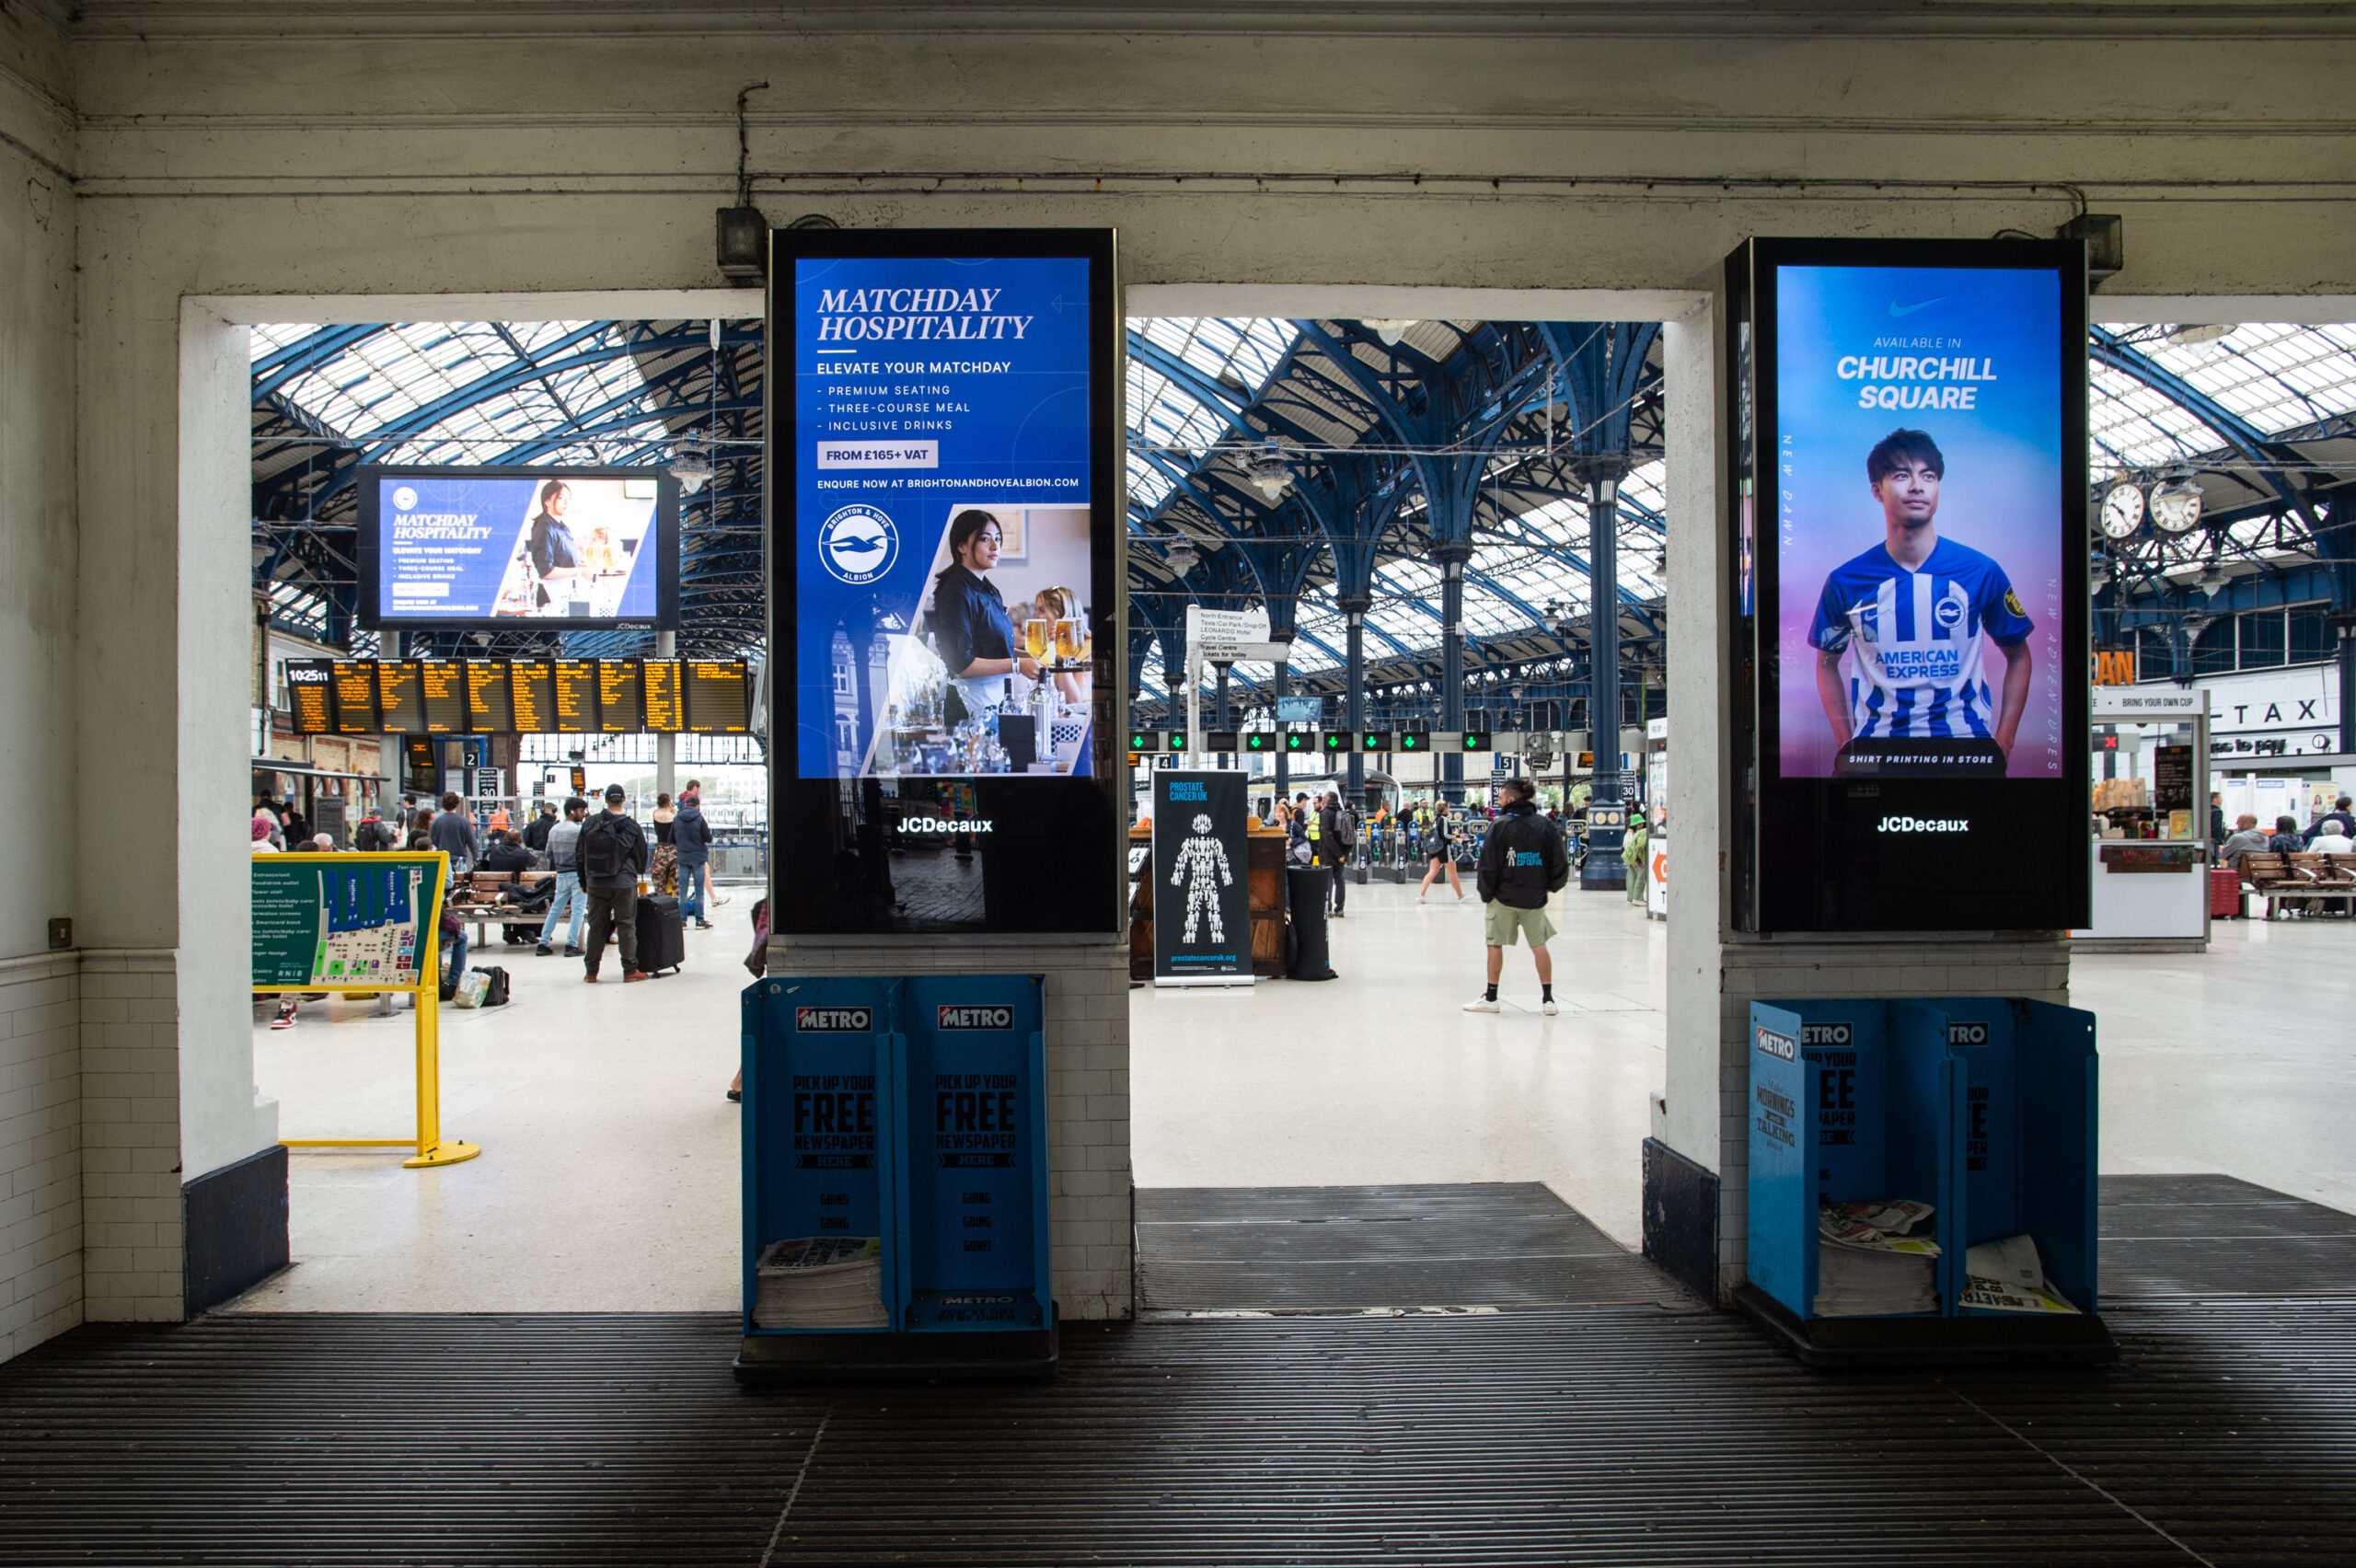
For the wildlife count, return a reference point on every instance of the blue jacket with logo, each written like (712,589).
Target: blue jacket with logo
(1523,859)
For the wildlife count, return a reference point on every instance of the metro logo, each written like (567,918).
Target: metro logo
(832,1021)
(956,1017)
(1779,1046)
(1825,1034)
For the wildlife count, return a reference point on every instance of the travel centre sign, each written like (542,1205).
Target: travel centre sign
(2268,713)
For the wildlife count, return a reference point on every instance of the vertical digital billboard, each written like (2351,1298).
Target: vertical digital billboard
(561,549)
(945,490)
(1911,529)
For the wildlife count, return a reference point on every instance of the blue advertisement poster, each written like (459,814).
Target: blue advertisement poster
(1918,522)
(490,545)
(940,516)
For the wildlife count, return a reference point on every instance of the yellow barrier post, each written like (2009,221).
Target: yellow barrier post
(427,992)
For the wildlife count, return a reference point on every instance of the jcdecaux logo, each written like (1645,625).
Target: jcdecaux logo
(945,825)
(1923,825)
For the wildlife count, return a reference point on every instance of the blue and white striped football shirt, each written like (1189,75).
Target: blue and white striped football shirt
(1914,637)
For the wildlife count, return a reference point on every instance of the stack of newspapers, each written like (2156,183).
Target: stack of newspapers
(820,1281)
(1869,1262)
(2008,1276)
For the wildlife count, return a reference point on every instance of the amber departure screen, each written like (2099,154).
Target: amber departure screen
(400,701)
(718,697)
(355,698)
(620,706)
(444,684)
(576,695)
(661,687)
(310,692)
(535,688)
(490,701)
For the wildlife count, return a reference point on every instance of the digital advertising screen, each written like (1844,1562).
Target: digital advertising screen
(1912,511)
(944,572)
(561,548)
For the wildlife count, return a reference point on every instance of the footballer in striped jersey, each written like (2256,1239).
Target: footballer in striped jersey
(1910,618)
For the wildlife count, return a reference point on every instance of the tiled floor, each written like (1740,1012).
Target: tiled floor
(608,1180)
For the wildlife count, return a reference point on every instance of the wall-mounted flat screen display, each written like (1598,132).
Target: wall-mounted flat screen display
(946,532)
(355,698)
(662,692)
(719,695)
(1298,709)
(1915,521)
(491,700)
(310,694)
(534,684)
(554,547)
(621,700)
(443,684)
(576,695)
(400,698)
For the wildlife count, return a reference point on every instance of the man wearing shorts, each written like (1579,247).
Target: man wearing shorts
(1522,864)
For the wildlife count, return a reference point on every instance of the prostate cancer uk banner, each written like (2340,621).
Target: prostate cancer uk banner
(941,515)
(458,546)
(1918,482)
(1202,895)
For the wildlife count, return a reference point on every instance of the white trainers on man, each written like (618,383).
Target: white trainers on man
(1548,1008)
(1481,1004)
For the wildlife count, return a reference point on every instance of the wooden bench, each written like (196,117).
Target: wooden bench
(488,898)
(2298,881)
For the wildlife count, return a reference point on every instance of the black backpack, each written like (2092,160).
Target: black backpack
(601,850)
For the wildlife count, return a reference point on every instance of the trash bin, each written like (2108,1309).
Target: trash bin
(1305,887)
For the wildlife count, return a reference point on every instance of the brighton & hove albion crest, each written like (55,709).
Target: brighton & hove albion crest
(859,544)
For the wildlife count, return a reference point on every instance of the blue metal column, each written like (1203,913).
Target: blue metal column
(1226,716)
(1452,555)
(1353,609)
(1602,475)
(1283,687)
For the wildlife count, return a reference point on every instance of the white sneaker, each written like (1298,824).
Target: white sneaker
(1421,899)
(1481,1004)
(1548,1008)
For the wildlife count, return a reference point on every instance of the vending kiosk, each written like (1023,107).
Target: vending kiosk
(2149,822)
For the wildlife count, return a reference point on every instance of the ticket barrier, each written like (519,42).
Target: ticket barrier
(1985,1108)
(895,1180)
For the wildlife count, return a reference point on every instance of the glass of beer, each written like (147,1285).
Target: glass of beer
(1068,640)
(1035,638)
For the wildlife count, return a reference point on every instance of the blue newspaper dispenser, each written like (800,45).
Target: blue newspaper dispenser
(914,1112)
(1985,1108)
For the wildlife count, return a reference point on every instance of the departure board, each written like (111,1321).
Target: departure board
(355,698)
(491,704)
(576,695)
(719,696)
(443,683)
(622,704)
(400,700)
(310,692)
(535,687)
(662,691)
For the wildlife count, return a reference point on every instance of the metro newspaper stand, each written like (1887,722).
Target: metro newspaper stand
(913,1110)
(1983,1107)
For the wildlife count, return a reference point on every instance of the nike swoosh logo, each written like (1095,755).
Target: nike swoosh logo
(1898,309)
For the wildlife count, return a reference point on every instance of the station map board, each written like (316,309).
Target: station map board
(343,922)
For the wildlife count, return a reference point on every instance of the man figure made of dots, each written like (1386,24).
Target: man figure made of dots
(1198,858)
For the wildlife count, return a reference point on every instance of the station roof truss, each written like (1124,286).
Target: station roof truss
(1359,419)
(2261,416)
(327,399)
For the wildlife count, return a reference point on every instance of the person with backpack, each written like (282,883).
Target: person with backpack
(1336,829)
(611,855)
(691,836)
(1522,865)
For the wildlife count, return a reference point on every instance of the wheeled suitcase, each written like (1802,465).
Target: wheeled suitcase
(2224,892)
(662,936)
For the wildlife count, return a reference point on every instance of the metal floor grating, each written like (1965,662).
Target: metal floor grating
(2219,1236)
(2227,1434)
(1343,1248)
